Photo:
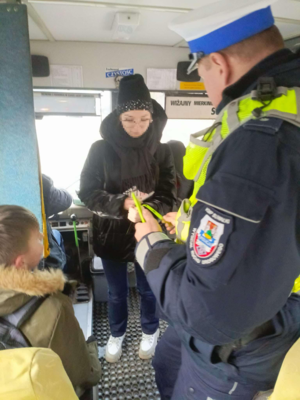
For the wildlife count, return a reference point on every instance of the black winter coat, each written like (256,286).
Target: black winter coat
(100,190)
(184,185)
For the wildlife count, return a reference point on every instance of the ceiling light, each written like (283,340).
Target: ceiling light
(125,24)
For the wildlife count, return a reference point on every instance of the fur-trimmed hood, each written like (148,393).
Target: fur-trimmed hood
(16,285)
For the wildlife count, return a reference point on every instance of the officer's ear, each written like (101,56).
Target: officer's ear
(222,68)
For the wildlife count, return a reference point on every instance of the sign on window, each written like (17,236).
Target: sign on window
(189,108)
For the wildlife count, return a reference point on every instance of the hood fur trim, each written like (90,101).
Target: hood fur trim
(32,283)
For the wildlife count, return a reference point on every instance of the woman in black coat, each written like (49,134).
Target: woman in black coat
(130,158)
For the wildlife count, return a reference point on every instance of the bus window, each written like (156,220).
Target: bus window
(181,129)
(64,142)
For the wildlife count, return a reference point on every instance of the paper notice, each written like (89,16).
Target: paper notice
(66,76)
(161,79)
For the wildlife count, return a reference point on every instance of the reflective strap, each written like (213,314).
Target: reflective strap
(199,142)
(284,116)
(146,244)
(282,90)
(185,207)
(183,220)
(184,231)
(202,143)
(217,140)
(232,116)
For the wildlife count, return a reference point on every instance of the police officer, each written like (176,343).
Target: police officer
(228,291)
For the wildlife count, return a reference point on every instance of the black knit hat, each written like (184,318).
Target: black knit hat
(134,95)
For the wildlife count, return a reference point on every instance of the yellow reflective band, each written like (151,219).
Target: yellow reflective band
(154,212)
(183,227)
(296,287)
(138,207)
(199,183)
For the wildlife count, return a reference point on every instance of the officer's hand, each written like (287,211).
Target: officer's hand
(150,226)
(133,215)
(170,221)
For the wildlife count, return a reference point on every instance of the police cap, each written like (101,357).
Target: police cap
(218,24)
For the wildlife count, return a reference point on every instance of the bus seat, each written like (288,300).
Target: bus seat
(263,395)
(288,382)
(33,374)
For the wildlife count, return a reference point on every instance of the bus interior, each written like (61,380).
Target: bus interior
(83,48)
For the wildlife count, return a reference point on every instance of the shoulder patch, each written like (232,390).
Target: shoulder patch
(208,241)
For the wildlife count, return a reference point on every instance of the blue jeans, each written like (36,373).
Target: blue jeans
(116,275)
(60,241)
(57,257)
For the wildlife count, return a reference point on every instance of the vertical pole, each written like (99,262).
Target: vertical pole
(19,170)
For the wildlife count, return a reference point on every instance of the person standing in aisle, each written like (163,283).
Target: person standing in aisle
(130,158)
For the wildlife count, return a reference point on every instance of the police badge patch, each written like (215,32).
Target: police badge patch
(207,243)
(207,237)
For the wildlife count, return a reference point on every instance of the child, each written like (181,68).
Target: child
(53,325)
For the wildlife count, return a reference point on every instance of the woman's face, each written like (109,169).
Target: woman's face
(136,122)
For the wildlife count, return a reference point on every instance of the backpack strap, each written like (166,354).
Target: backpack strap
(24,313)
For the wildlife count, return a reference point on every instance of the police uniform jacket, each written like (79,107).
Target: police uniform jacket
(252,193)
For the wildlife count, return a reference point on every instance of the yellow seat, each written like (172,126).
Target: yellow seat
(33,374)
(288,383)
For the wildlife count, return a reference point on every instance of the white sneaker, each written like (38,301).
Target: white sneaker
(114,349)
(148,345)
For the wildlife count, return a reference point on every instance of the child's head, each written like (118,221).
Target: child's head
(21,243)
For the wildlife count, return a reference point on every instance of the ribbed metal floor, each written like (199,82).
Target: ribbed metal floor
(131,377)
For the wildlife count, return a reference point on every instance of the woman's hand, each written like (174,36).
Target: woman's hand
(133,215)
(150,226)
(170,222)
(128,203)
